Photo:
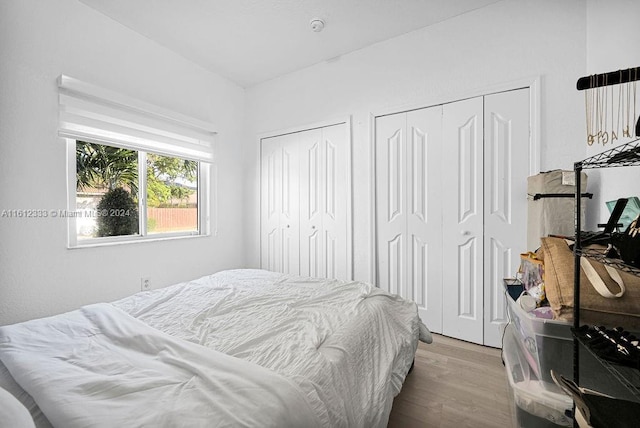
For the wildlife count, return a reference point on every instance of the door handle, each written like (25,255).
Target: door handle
(465,232)
(313,227)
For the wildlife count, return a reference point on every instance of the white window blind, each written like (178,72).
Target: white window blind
(88,112)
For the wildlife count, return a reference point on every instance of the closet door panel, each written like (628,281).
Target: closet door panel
(311,199)
(280,205)
(335,196)
(391,204)
(424,215)
(450,216)
(271,203)
(305,202)
(506,128)
(462,249)
(468,144)
(290,210)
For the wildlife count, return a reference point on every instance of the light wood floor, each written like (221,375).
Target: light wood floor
(453,384)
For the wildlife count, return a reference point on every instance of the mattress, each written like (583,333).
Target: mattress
(339,350)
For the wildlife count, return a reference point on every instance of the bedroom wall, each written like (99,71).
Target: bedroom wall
(39,40)
(501,43)
(610,50)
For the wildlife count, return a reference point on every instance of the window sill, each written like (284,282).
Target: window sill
(93,243)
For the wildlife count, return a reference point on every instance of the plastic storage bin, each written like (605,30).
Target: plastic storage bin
(547,344)
(532,405)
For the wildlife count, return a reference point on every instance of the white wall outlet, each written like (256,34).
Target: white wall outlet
(145,283)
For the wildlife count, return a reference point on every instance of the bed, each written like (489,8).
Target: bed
(236,348)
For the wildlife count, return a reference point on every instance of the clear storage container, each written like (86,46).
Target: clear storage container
(532,404)
(547,344)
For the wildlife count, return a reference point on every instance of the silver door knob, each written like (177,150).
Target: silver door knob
(465,232)
(313,227)
(288,226)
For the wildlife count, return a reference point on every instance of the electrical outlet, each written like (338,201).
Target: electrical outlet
(145,283)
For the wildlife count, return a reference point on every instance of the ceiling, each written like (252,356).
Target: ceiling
(251,41)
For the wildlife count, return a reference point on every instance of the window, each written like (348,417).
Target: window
(136,172)
(172,195)
(111,200)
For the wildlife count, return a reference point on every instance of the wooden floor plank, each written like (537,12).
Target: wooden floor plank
(453,384)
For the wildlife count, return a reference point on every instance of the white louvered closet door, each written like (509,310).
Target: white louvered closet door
(408,209)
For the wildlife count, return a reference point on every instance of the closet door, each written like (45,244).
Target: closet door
(280,205)
(462,226)
(311,198)
(408,209)
(270,195)
(335,201)
(506,167)
(324,201)
(391,210)
(305,203)
(424,214)
(290,207)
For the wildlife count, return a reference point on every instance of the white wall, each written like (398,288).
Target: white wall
(39,40)
(472,53)
(613,33)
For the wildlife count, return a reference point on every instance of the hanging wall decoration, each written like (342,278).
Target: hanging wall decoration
(610,106)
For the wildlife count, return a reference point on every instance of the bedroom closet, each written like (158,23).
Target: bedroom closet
(305,202)
(451,209)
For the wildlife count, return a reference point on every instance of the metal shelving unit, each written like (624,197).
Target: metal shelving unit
(600,256)
(627,376)
(621,156)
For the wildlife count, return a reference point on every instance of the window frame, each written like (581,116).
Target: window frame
(204,202)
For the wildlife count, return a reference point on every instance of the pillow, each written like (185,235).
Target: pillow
(13,413)
(594,309)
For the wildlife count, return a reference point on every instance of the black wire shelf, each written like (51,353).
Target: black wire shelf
(600,255)
(627,376)
(627,154)
(623,155)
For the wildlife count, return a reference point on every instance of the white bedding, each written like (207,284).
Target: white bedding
(344,346)
(99,367)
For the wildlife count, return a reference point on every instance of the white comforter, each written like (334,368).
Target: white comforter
(315,352)
(99,367)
